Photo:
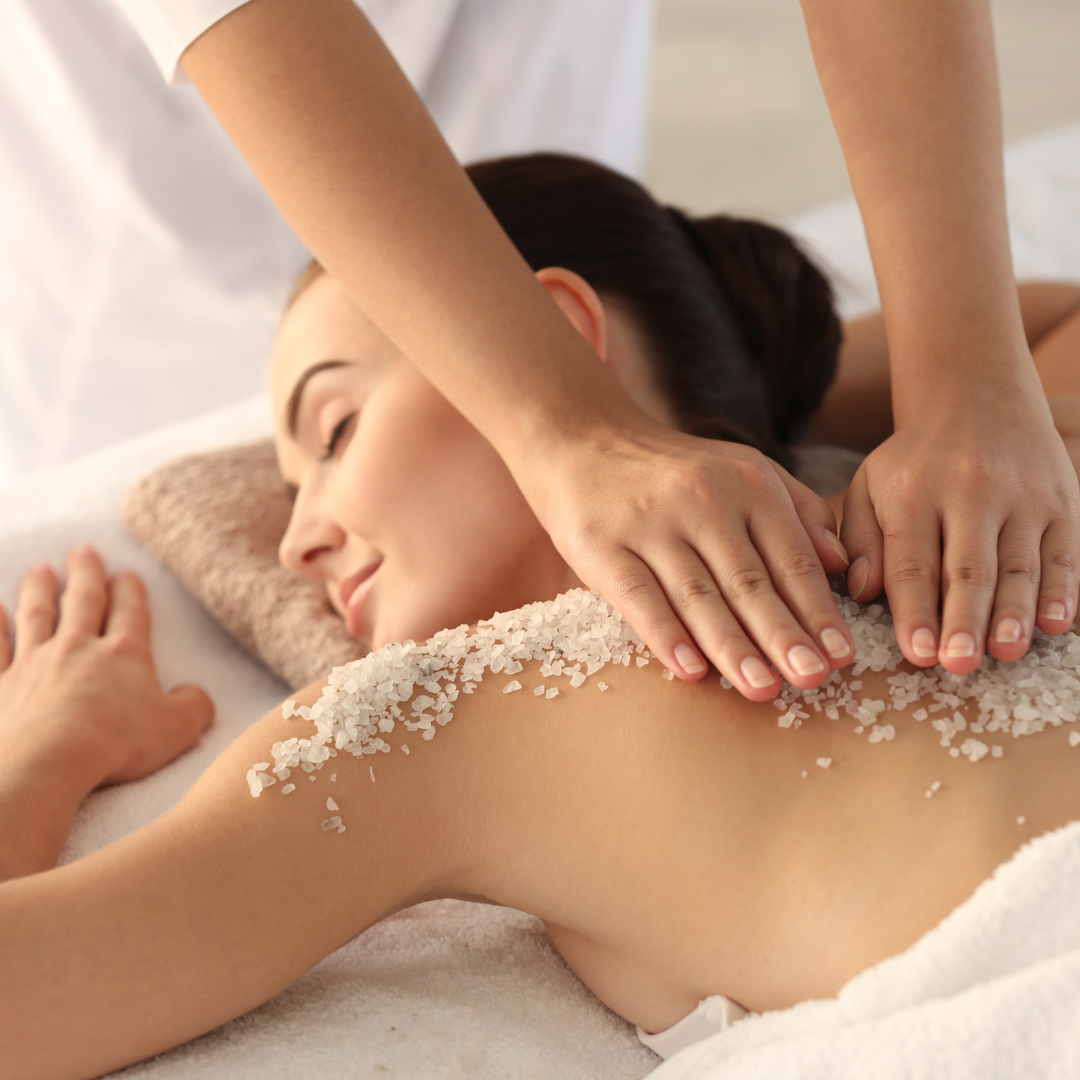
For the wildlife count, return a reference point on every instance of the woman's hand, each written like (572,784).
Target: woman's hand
(80,704)
(700,541)
(981,506)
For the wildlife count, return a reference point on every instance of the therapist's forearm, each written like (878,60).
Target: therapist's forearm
(913,92)
(347,151)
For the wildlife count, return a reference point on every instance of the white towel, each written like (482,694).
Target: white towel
(445,989)
(991,993)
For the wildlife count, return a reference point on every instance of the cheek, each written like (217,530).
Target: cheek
(420,482)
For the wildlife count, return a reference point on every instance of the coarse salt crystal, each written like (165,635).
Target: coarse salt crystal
(603,686)
(552,692)
(824,762)
(974,750)
(805,774)
(1021,820)
(287,788)
(539,691)
(641,661)
(331,805)
(1074,738)
(511,686)
(330,823)
(371,769)
(405,748)
(666,674)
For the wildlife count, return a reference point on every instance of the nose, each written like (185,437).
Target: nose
(310,537)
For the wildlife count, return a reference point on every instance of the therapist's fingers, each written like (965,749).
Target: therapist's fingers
(793,616)
(692,591)
(969,579)
(1019,572)
(1060,580)
(35,613)
(5,640)
(819,522)
(863,541)
(912,575)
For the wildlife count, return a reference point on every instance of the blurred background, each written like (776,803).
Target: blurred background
(738,121)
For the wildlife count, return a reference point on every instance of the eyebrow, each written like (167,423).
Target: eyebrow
(292,407)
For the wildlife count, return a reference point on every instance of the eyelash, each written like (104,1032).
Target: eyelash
(335,437)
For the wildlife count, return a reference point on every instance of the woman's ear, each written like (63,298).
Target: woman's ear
(579,303)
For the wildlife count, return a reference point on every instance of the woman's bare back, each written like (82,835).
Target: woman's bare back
(665,832)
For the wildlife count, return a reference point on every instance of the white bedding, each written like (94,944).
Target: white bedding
(447,989)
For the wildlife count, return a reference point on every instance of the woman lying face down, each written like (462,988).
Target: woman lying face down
(675,840)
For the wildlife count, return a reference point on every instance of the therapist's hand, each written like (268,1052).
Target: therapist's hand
(977,505)
(708,548)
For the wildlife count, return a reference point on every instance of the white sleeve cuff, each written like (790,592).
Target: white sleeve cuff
(168,27)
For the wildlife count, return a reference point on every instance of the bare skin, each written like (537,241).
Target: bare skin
(738,577)
(753,882)
(857,411)
(704,546)
(971,501)
(663,831)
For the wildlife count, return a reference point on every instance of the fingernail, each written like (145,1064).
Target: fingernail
(804,660)
(1009,631)
(756,673)
(1055,612)
(857,575)
(960,646)
(688,659)
(82,551)
(39,568)
(834,542)
(923,643)
(834,643)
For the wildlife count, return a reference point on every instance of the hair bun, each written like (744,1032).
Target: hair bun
(783,308)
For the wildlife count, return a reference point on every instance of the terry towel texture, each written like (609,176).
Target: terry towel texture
(216,520)
(992,993)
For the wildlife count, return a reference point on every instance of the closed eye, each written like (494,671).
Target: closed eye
(335,437)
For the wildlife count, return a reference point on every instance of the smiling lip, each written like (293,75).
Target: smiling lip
(354,592)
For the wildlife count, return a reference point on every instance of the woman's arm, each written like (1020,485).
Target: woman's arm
(974,489)
(210,910)
(693,540)
(80,705)
(857,411)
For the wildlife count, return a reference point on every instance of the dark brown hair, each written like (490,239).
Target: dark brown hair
(738,323)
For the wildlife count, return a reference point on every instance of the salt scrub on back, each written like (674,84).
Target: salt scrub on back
(574,636)
(1021,697)
(577,633)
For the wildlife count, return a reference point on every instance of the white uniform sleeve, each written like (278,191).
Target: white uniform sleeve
(168,27)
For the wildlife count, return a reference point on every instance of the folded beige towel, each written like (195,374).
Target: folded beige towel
(216,520)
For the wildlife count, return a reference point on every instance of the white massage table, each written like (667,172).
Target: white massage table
(445,989)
